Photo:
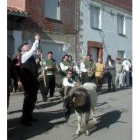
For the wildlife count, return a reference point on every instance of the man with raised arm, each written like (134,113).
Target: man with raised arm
(29,73)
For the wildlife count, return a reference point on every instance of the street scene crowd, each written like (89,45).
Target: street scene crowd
(29,72)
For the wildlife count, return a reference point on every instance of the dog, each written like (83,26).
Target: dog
(83,99)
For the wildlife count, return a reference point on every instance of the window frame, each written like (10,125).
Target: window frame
(123,33)
(99,17)
(57,14)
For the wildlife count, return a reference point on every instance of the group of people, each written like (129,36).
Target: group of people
(33,72)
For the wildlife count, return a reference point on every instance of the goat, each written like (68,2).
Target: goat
(83,99)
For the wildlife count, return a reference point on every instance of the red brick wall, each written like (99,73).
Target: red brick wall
(20,4)
(126,4)
(67,23)
(37,19)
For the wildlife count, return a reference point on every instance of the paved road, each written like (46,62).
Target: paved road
(114,112)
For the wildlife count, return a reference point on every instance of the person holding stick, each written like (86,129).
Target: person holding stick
(42,77)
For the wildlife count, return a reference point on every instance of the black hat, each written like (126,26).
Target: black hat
(21,45)
(109,57)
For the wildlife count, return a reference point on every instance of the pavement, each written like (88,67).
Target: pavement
(113,110)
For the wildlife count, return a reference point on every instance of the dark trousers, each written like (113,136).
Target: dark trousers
(111,80)
(85,78)
(30,84)
(66,90)
(8,95)
(50,85)
(130,78)
(18,71)
(99,82)
(15,84)
(43,90)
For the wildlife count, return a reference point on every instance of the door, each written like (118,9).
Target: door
(94,54)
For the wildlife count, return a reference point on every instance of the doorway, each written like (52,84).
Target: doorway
(95,49)
(94,54)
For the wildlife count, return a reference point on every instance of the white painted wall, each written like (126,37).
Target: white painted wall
(108,34)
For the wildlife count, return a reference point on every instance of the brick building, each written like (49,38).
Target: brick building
(54,20)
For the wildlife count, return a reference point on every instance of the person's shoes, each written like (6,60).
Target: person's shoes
(25,122)
(32,119)
(8,112)
(114,89)
(109,90)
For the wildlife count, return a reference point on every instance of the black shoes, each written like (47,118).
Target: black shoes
(25,122)
(32,120)
(109,90)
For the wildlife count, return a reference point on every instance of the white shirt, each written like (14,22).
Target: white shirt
(67,83)
(26,55)
(109,63)
(82,67)
(76,68)
(63,67)
(126,65)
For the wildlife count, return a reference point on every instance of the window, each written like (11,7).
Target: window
(121,24)
(52,9)
(95,17)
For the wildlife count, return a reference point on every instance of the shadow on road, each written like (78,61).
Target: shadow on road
(16,131)
(105,91)
(39,106)
(106,120)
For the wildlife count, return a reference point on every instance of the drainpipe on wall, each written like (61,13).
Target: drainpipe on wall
(77,19)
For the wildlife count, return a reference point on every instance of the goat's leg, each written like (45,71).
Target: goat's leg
(79,118)
(87,115)
(93,115)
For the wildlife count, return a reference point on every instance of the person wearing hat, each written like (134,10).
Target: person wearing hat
(29,79)
(119,76)
(111,72)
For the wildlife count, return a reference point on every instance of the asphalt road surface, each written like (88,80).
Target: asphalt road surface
(113,110)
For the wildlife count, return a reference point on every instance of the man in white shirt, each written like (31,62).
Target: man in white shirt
(86,67)
(29,79)
(65,65)
(111,73)
(126,68)
(68,82)
(75,69)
